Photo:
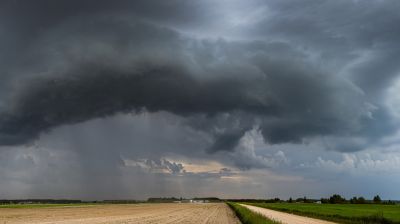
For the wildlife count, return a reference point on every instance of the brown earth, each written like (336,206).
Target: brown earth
(211,213)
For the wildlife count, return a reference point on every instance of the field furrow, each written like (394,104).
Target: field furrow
(168,213)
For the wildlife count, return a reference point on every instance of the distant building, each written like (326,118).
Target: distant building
(195,200)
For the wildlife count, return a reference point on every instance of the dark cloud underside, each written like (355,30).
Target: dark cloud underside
(98,67)
(99,90)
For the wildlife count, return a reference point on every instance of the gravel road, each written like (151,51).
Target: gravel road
(208,213)
(285,218)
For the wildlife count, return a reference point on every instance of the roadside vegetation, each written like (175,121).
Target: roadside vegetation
(248,217)
(341,213)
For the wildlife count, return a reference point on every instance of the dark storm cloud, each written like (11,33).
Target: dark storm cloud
(84,60)
(88,87)
(342,31)
(164,165)
(87,94)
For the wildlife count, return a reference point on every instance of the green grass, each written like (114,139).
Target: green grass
(341,213)
(248,217)
(43,205)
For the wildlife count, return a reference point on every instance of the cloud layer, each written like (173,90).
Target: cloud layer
(254,86)
(265,84)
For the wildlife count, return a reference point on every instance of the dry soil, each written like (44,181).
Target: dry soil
(212,213)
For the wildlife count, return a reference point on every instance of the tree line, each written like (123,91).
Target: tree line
(334,199)
(40,201)
(338,199)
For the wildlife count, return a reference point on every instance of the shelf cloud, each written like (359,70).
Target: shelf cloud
(243,83)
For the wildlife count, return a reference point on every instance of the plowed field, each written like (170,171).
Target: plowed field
(117,214)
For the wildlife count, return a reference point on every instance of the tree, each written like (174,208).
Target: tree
(290,200)
(324,200)
(377,199)
(337,199)
(361,200)
(389,202)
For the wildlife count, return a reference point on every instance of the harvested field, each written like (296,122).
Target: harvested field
(117,214)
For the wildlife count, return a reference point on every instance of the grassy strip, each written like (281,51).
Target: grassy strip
(377,218)
(248,217)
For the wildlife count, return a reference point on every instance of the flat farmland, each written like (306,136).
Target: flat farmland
(212,213)
(341,213)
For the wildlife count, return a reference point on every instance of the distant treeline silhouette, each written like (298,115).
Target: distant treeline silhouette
(41,201)
(64,201)
(162,200)
(334,199)
(174,199)
(338,199)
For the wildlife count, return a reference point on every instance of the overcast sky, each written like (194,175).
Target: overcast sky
(230,98)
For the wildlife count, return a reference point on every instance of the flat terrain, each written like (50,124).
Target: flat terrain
(212,213)
(285,218)
(342,213)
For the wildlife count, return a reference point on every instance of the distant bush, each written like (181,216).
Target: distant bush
(162,200)
(325,200)
(377,199)
(337,199)
(359,200)
(305,200)
(209,199)
(389,202)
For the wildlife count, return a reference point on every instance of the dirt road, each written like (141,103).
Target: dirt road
(212,213)
(285,218)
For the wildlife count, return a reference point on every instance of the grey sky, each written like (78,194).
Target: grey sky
(132,99)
